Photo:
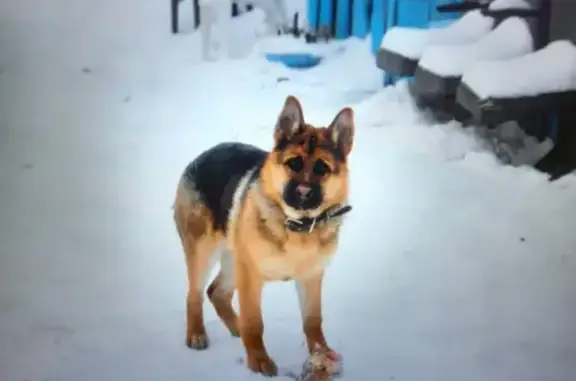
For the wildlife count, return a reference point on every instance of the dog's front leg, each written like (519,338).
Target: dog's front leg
(250,285)
(310,298)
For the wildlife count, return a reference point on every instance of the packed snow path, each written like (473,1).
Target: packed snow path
(452,267)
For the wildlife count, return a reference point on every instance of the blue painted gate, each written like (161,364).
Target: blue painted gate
(358,18)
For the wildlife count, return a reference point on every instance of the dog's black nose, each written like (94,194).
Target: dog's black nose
(304,191)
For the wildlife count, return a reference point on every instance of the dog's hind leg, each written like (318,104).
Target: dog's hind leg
(194,222)
(221,291)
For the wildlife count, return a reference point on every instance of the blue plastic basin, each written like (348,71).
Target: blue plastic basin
(295,60)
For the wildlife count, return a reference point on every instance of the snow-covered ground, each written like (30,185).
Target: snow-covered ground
(452,266)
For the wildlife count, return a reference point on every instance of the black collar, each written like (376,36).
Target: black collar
(307,224)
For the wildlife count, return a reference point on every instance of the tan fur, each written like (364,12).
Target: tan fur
(274,251)
(261,249)
(266,252)
(193,221)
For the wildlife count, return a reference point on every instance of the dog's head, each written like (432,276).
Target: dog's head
(307,171)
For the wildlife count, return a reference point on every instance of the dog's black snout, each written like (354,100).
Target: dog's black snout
(304,191)
(302,196)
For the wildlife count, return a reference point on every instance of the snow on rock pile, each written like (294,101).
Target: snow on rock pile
(510,39)
(411,42)
(499,5)
(549,70)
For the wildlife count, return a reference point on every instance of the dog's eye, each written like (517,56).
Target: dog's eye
(295,163)
(321,168)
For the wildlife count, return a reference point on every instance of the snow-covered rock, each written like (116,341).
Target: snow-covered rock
(411,42)
(548,70)
(500,5)
(512,38)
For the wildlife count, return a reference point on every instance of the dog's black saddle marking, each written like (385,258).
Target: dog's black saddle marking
(216,173)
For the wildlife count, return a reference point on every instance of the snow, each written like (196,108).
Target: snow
(218,2)
(512,38)
(266,18)
(499,5)
(289,44)
(214,28)
(297,6)
(411,42)
(451,266)
(548,70)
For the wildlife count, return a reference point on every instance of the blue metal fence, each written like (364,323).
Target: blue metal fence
(358,18)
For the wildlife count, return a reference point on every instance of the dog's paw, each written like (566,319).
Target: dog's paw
(263,364)
(197,341)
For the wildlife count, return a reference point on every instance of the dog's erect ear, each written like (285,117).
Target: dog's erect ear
(341,130)
(290,119)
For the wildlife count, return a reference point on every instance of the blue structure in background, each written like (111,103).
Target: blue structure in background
(313,13)
(343,19)
(379,22)
(408,13)
(327,14)
(357,18)
(295,60)
(360,18)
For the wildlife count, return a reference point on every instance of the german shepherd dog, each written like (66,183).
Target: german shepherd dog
(266,216)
